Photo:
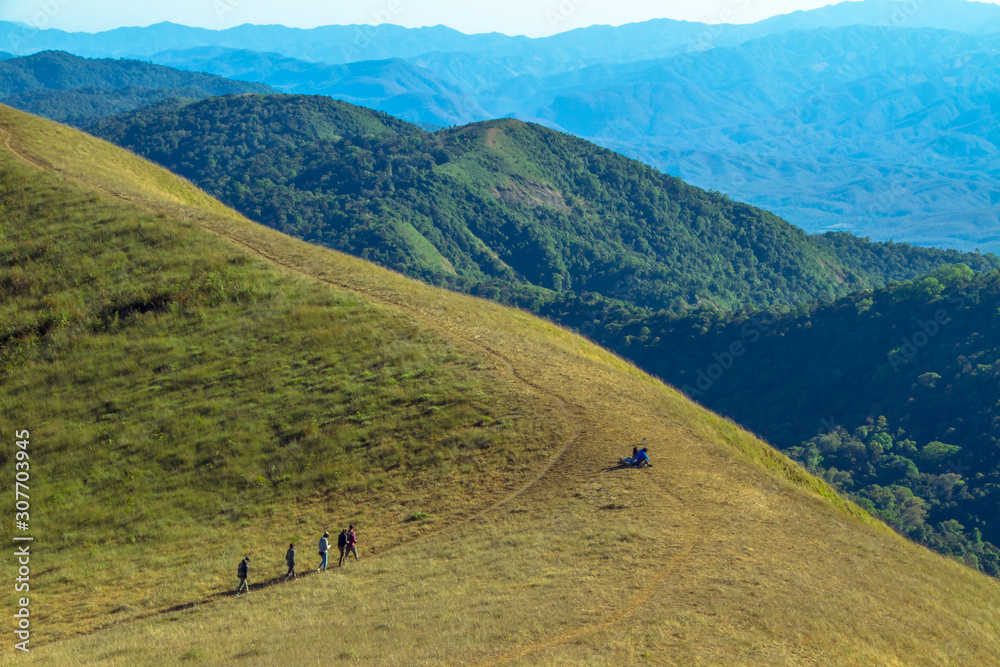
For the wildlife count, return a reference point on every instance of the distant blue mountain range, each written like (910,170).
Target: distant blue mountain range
(874,116)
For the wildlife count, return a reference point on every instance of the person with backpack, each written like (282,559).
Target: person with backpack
(290,559)
(243,572)
(324,546)
(352,543)
(342,545)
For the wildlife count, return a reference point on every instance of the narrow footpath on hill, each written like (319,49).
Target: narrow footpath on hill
(707,558)
(552,478)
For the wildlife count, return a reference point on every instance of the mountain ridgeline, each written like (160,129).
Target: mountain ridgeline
(75,90)
(503,209)
(797,114)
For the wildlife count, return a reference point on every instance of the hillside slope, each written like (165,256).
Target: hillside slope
(891,394)
(502,209)
(725,552)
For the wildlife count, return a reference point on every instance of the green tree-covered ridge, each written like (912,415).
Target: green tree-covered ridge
(889,394)
(503,209)
(77,91)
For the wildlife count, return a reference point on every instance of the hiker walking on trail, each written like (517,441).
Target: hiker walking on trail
(243,572)
(290,559)
(324,546)
(342,545)
(352,543)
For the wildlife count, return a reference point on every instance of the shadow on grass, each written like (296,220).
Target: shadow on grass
(260,585)
(623,466)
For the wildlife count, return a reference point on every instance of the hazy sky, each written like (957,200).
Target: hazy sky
(522,17)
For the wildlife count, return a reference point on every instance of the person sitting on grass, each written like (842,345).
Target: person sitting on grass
(627,461)
(641,459)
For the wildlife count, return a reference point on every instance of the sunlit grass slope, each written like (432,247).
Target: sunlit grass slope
(207,387)
(190,403)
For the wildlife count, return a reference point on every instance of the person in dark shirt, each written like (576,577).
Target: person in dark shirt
(290,559)
(243,572)
(342,545)
(629,460)
(352,544)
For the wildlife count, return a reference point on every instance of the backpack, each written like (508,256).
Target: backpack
(241,571)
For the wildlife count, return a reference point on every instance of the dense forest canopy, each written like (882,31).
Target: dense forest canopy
(504,209)
(77,91)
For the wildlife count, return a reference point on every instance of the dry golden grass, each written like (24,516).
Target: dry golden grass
(126,418)
(723,553)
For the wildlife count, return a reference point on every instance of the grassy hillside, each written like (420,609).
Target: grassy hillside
(188,399)
(890,394)
(502,209)
(153,323)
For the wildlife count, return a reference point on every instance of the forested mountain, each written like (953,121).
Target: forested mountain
(897,141)
(894,142)
(77,90)
(658,38)
(798,114)
(503,209)
(891,395)
(336,44)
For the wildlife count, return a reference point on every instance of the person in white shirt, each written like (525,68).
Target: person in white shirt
(324,546)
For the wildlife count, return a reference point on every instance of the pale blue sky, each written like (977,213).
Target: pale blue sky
(525,17)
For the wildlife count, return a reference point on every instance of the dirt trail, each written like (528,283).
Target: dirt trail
(569,412)
(587,461)
(738,565)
